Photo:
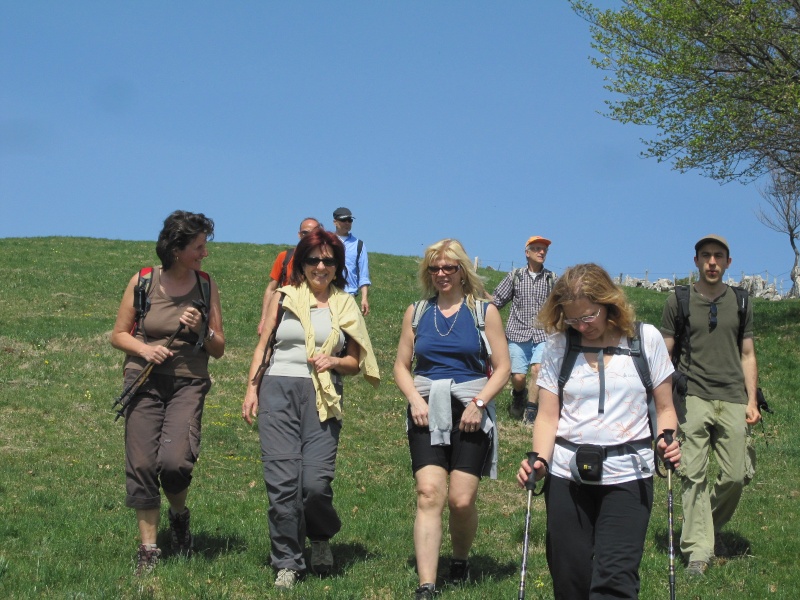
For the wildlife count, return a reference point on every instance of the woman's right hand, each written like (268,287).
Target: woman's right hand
(419,412)
(250,406)
(155,354)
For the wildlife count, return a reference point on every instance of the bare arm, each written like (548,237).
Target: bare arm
(344,365)
(250,404)
(544,435)
(666,418)
(271,287)
(402,371)
(750,368)
(215,346)
(364,301)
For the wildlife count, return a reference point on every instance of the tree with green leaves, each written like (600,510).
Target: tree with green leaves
(719,79)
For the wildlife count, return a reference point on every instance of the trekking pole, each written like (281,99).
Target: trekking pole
(530,485)
(129,392)
(670,468)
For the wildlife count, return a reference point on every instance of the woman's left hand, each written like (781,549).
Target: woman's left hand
(471,418)
(193,319)
(324,362)
(671,453)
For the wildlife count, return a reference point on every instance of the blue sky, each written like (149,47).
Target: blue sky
(428,119)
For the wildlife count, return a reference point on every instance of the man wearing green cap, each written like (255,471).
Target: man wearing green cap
(720,403)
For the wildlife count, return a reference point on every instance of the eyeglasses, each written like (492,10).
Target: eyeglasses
(346,219)
(313,261)
(448,269)
(585,319)
(712,316)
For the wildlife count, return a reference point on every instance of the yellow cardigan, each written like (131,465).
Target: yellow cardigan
(345,316)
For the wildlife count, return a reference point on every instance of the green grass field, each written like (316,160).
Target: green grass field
(64,530)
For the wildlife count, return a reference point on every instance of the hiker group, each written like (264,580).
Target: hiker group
(608,399)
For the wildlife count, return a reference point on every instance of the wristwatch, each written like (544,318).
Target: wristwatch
(210,334)
(479,403)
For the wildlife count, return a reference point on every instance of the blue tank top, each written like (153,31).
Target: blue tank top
(455,356)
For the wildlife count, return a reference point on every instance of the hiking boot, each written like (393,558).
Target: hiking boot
(518,401)
(182,540)
(425,591)
(697,568)
(459,571)
(321,558)
(531,410)
(147,559)
(286,579)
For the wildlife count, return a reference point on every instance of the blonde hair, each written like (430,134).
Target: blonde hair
(592,282)
(451,249)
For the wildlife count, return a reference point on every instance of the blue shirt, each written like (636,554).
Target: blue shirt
(455,356)
(357,274)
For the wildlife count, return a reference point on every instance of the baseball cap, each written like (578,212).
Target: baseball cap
(342,213)
(712,238)
(537,239)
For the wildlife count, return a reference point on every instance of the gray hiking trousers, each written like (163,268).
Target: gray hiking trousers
(299,457)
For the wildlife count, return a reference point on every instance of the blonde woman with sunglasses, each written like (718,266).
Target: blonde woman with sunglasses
(451,415)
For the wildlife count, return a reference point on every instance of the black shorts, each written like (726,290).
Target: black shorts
(467,452)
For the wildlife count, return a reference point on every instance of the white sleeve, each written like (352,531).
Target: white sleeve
(657,356)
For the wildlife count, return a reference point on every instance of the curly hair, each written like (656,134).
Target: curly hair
(180,229)
(316,239)
(451,249)
(592,282)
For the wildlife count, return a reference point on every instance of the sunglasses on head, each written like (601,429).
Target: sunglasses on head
(313,261)
(448,269)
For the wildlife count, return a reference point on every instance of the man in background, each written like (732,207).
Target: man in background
(356,259)
(282,267)
(527,289)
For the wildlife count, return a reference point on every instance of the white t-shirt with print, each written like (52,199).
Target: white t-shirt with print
(625,417)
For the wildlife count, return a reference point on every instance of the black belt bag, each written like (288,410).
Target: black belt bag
(587,461)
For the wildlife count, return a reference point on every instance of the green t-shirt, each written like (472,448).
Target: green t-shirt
(715,371)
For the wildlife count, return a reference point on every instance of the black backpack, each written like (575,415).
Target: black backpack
(635,350)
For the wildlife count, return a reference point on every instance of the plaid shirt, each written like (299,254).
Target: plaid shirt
(527,294)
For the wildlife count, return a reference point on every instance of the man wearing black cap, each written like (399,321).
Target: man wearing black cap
(356,259)
(720,404)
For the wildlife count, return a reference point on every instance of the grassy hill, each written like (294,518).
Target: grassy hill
(64,530)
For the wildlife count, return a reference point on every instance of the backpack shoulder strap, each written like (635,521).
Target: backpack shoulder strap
(643,368)
(141,297)
(570,356)
(359,248)
(682,344)
(479,317)
(742,297)
(204,283)
(285,267)
(420,306)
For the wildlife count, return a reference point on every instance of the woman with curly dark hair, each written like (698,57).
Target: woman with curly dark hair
(163,418)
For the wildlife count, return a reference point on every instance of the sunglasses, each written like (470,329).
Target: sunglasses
(448,269)
(712,317)
(346,219)
(313,261)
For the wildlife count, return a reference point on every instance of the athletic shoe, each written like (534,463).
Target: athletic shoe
(286,579)
(697,568)
(321,558)
(518,401)
(425,591)
(147,559)
(182,540)
(531,410)
(459,571)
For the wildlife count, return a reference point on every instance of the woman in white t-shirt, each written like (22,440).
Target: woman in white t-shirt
(598,507)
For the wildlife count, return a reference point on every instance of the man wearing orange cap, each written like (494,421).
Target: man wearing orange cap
(527,289)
